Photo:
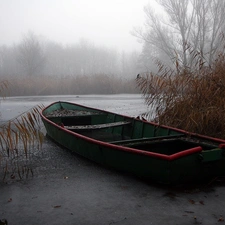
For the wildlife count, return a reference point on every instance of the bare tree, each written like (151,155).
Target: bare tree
(209,20)
(188,27)
(30,55)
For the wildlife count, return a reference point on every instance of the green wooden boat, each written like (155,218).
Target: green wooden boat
(160,153)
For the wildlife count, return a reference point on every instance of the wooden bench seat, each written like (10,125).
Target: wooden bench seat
(138,140)
(98,126)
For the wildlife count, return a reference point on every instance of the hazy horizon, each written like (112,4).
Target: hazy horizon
(102,22)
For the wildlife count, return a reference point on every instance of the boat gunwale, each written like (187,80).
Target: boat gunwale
(172,157)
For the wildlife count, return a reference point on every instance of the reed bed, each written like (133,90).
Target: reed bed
(192,100)
(70,85)
(18,138)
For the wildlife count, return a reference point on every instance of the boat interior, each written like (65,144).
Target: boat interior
(125,131)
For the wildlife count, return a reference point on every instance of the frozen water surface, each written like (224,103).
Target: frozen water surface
(126,104)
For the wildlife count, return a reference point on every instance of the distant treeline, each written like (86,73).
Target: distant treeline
(39,67)
(33,56)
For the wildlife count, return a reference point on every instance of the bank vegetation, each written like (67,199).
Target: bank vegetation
(192,100)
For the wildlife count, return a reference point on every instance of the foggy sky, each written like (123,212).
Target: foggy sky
(103,22)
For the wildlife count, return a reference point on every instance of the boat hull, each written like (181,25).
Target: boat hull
(194,164)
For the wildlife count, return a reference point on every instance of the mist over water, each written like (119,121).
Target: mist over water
(71,38)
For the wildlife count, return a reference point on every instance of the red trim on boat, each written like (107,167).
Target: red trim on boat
(132,150)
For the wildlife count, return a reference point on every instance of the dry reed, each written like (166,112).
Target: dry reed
(17,139)
(192,100)
(70,85)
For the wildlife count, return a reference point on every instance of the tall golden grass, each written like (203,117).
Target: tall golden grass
(18,138)
(193,100)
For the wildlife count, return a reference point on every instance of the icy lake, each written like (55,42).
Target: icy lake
(126,104)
